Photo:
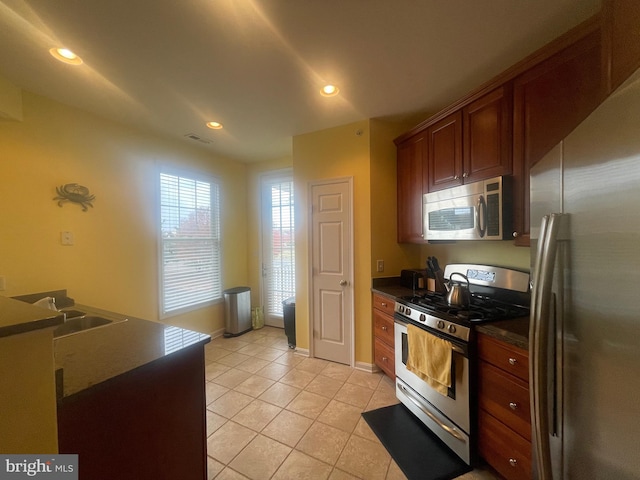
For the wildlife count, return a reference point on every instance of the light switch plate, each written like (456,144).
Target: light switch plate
(66,238)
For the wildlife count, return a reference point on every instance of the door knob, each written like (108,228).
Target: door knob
(343,283)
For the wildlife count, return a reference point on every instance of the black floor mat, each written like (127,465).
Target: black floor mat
(419,453)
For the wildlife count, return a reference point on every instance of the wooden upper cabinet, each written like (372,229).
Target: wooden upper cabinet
(487,136)
(445,153)
(549,101)
(411,169)
(621,41)
(473,143)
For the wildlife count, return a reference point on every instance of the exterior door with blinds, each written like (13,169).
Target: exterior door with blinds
(278,257)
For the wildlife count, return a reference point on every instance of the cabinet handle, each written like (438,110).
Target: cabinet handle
(513,462)
(384,359)
(383,304)
(513,405)
(515,234)
(384,328)
(465,175)
(512,361)
(456,177)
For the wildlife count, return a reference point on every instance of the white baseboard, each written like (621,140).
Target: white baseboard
(302,351)
(217,333)
(367,367)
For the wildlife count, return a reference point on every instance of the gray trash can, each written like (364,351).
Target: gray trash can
(237,311)
(289,317)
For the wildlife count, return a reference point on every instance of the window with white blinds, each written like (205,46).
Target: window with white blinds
(190,243)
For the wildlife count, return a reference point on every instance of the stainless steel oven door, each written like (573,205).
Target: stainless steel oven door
(447,416)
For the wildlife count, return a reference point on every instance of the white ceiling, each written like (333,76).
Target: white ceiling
(257,65)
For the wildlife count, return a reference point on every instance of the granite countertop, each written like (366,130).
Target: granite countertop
(514,332)
(18,317)
(93,356)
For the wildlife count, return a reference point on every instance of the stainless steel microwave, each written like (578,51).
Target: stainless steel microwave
(475,211)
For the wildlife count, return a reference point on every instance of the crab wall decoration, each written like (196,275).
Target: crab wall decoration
(72,192)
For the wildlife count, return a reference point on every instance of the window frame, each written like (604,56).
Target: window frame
(216,216)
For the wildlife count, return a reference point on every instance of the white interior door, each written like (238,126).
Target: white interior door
(332,270)
(278,254)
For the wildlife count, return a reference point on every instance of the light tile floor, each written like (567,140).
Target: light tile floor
(274,414)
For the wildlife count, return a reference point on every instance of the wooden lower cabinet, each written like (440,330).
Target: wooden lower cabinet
(503,449)
(146,424)
(504,421)
(383,338)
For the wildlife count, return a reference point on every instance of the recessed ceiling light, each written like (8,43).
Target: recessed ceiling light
(65,55)
(329,90)
(214,125)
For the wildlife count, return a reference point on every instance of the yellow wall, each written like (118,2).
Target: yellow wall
(113,264)
(384,205)
(335,153)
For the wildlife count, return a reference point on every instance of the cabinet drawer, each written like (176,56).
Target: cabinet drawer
(383,327)
(384,358)
(504,356)
(503,449)
(506,398)
(383,303)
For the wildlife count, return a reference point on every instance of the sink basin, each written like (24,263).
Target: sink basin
(80,324)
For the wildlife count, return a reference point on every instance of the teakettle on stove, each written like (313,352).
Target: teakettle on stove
(457,294)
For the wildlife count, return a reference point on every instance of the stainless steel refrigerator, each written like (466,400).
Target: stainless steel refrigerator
(585,322)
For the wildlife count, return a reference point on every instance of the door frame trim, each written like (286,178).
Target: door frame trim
(264,179)
(328,181)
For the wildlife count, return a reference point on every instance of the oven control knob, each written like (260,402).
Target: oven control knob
(407,311)
(423,317)
(440,324)
(452,328)
(400,308)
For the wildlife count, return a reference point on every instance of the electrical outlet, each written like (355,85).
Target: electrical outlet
(66,238)
(380,266)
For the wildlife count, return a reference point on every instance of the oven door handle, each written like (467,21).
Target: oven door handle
(450,430)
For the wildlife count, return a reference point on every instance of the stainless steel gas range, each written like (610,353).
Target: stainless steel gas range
(496,294)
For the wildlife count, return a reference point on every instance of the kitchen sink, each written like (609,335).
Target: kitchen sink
(80,324)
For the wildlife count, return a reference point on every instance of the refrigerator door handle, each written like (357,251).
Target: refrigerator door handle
(539,325)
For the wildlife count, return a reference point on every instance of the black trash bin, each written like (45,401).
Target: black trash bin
(289,316)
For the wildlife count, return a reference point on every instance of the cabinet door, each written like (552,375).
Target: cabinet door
(487,136)
(550,100)
(621,40)
(411,172)
(146,424)
(503,449)
(445,153)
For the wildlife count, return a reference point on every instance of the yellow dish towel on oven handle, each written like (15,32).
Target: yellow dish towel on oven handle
(429,357)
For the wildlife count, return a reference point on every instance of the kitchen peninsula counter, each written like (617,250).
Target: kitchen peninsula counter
(131,390)
(514,331)
(98,354)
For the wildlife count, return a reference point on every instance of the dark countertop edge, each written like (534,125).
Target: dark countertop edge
(31,326)
(117,317)
(61,398)
(514,332)
(25,318)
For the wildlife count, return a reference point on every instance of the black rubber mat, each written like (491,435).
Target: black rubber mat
(419,453)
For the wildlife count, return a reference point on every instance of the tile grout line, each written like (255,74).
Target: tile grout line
(316,419)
